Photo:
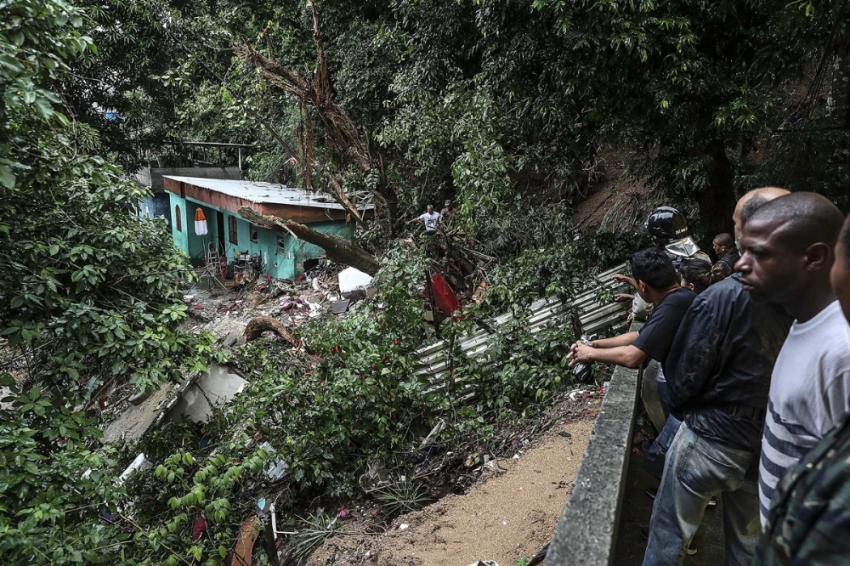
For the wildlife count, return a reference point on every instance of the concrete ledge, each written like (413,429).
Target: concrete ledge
(586,533)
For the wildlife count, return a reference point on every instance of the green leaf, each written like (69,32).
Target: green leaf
(7,178)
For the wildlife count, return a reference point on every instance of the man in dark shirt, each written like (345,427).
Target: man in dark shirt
(718,371)
(727,254)
(657,282)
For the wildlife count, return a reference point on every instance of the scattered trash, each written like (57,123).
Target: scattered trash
(339,307)
(140,463)
(485,563)
(274,469)
(432,436)
(445,298)
(403,527)
(248,533)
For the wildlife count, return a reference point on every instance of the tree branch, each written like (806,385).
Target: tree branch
(338,249)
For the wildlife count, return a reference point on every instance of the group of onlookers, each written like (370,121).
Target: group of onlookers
(754,355)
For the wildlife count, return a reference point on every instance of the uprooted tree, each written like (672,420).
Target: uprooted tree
(337,249)
(343,140)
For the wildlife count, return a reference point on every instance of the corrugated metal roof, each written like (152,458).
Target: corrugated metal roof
(595,317)
(266,193)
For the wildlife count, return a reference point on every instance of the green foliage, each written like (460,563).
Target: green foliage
(90,298)
(50,509)
(402,497)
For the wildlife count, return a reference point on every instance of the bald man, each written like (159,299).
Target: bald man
(788,251)
(718,373)
(808,519)
(751,202)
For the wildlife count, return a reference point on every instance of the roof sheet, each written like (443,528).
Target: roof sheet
(266,193)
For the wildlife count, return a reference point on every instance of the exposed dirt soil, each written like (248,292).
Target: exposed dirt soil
(509,513)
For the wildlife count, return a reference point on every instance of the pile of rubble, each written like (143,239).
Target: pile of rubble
(320,292)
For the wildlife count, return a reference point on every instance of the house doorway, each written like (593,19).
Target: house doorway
(219,218)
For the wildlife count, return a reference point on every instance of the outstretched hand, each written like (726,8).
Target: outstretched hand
(620,278)
(623,297)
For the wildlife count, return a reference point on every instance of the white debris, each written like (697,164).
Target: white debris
(351,279)
(140,463)
(403,527)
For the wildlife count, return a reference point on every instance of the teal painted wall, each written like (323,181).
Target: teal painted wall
(177,206)
(286,262)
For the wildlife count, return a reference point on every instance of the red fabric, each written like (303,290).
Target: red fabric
(444,297)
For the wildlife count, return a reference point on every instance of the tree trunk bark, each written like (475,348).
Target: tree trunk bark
(339,250)
(258,325)
(717,201)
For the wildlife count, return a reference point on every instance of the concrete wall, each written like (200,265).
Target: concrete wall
(152,176)
(156,205)
(586,533)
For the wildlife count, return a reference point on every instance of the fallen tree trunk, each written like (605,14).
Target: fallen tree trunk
(339,250)
(261,324)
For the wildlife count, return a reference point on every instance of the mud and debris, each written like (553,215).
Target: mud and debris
(503,509)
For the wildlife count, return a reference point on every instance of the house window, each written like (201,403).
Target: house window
(281,244)
(179,221)
(255,234)
(231,225)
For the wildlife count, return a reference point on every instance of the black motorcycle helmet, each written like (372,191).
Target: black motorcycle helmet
(665,225)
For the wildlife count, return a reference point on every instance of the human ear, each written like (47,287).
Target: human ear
(819,256)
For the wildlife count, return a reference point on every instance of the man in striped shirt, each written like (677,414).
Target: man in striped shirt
(788,249)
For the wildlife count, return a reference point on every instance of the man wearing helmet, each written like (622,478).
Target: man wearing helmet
(668,230)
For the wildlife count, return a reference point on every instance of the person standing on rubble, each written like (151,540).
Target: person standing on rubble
(718,373)
(787,256)
(430,220)
(727,254)
(810,510)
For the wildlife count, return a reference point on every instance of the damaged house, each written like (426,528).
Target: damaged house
(226,234)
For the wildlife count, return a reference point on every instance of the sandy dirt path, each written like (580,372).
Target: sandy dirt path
(506,516)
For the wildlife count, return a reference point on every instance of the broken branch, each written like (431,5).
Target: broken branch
(337,249)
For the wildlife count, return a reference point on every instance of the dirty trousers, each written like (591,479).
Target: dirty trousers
(695,470)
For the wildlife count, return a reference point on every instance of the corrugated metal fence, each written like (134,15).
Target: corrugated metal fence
(596,317)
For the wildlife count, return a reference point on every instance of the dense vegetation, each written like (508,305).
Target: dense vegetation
(503,106)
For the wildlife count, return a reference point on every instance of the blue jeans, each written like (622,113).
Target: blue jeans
(655,456)
(695,470)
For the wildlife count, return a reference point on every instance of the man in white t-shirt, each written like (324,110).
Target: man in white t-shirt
(788,250)
(430,219)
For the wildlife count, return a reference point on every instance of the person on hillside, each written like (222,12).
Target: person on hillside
(658,283)
(788,253)
(727,254)
(809,514)
(430,220)
(718,372)
(448,210)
